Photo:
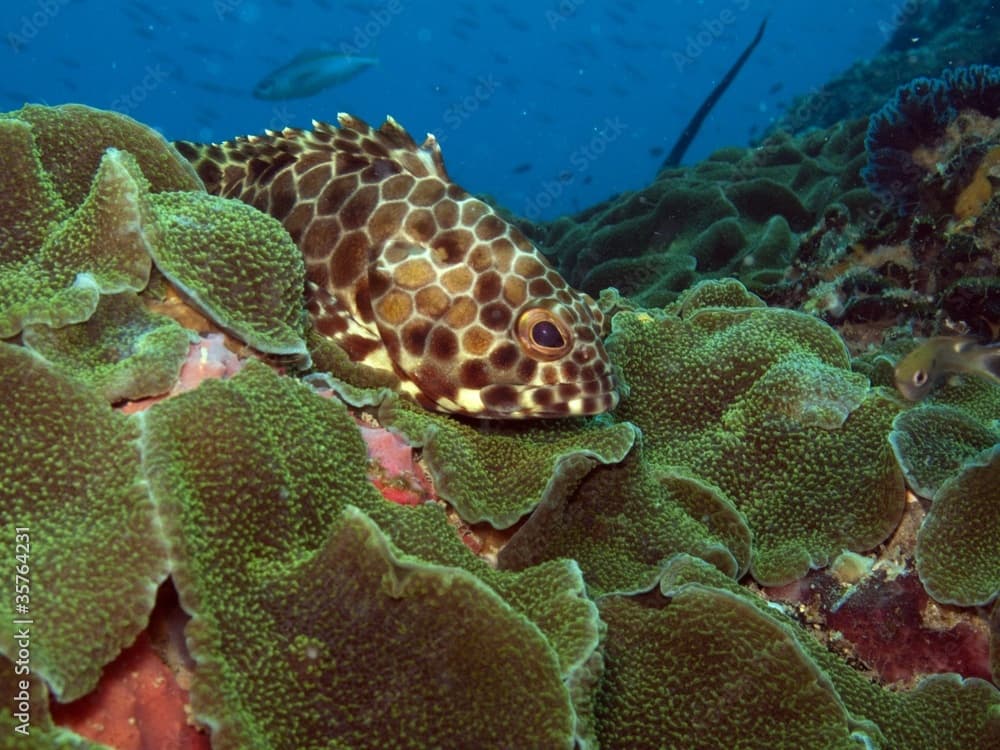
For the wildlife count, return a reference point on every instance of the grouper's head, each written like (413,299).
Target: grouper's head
(480,325)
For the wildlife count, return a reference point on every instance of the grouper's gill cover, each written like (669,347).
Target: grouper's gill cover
(408,272)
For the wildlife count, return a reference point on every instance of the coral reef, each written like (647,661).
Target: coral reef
(715,665)
(794,220)
(236,265)
(72,139)
(57,262)
(754,402)
(123,350)
(87,603)
(958,547)
(601,581)
(100,232)
(223,577)
(925,140)
(933,441)
(846,708)
(504,473)
(736,214)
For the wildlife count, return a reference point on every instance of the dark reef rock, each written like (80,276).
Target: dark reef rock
(924,142)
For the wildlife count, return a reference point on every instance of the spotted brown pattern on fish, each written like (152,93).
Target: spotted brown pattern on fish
(409,273)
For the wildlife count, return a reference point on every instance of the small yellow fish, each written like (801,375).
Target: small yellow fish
(920,370)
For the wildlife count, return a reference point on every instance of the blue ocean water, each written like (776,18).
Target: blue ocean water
(548,106)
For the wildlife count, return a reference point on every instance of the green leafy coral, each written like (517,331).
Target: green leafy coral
(759,405)
(407,653)
(123,351)
(706,663)
(626,519)
(238,265)
(958,545)
(276,579)
(933,441)
(81,218)
(54,263)
(73,138)
(70,475)
(323,614)
(499,473)
(740,213)
(947,448)
(708,670)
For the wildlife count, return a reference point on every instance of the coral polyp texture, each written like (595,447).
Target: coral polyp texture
(918,144)
(56,262)
(82,219)
(335,629)
(958,547)
(503,473)
(72,139)
(598,581)
(754,402)
(754,663)
(123,350)
(715,665)
(70,475)
(236,265)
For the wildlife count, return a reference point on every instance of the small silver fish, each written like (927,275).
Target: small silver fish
(923,368)
(309,73)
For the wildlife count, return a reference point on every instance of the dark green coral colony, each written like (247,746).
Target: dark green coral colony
(752,401)
(705,663)
(70,473)
(92,200)
(313,623)
(958,548)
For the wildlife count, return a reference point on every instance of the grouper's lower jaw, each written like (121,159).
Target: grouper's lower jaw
(530,402)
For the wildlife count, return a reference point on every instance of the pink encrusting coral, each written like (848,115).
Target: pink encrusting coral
(138,704)
(207,359)
(393,470)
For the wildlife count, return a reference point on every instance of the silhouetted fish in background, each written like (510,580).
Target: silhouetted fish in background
(309,73)
(694,124)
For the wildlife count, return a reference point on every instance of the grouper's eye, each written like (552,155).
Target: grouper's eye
(919,378)
(543,335)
